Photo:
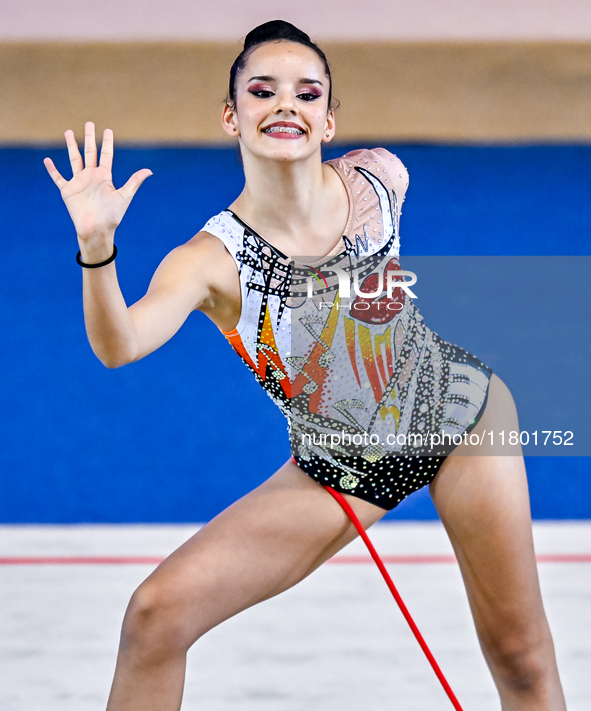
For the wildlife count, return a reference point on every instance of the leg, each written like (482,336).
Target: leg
(261,545)
(483,502)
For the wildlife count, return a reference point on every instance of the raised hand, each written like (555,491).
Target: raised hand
(95,206)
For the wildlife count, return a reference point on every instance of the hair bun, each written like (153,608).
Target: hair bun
(275,30)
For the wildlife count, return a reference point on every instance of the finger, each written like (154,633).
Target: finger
(54,173)
(73,152)
(89,145)
(131,186)
(107,149)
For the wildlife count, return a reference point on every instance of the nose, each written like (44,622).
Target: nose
(285,104)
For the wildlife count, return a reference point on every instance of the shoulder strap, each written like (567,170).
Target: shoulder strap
(225,228)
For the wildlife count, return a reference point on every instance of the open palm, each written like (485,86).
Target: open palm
(95,206)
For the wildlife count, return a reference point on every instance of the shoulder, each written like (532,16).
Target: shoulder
(200,272)
(202,246)
(381,163)
(201,260)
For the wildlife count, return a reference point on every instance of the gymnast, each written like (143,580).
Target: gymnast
(267,271)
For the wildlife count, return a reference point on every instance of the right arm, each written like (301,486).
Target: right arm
(196,275)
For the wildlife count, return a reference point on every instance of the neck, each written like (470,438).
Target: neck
(282,198)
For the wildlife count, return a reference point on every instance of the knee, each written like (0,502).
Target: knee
(519,665)
(153,627)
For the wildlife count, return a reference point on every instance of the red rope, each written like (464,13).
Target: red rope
(389,582)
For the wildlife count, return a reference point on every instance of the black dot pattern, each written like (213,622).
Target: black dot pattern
(384,484)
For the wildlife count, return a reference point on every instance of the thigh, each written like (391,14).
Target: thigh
(261,545)
(483,502)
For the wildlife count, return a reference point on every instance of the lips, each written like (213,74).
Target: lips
(378,309)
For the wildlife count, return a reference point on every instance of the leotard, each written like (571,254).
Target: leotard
(366,386)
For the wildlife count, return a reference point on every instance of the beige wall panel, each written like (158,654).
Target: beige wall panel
(471,91)
(144,92)
(173,93)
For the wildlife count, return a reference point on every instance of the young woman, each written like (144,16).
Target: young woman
(348,365)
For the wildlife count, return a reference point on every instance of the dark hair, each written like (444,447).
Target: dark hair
(274,31)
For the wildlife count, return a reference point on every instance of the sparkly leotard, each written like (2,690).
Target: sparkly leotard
(340,346)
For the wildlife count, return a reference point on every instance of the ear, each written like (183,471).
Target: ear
(230,121)
(330,127)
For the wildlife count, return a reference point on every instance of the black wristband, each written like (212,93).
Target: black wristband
(98,264)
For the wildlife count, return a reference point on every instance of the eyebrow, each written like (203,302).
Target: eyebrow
(301,81)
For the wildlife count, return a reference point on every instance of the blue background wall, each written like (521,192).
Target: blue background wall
(183,433)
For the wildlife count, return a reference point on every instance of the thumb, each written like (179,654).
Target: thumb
(132,185)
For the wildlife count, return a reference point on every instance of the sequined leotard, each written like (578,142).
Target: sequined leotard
(366,387)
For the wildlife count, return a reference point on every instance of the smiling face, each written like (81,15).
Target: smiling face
(281,110)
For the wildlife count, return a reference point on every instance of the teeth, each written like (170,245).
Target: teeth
(282,129)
